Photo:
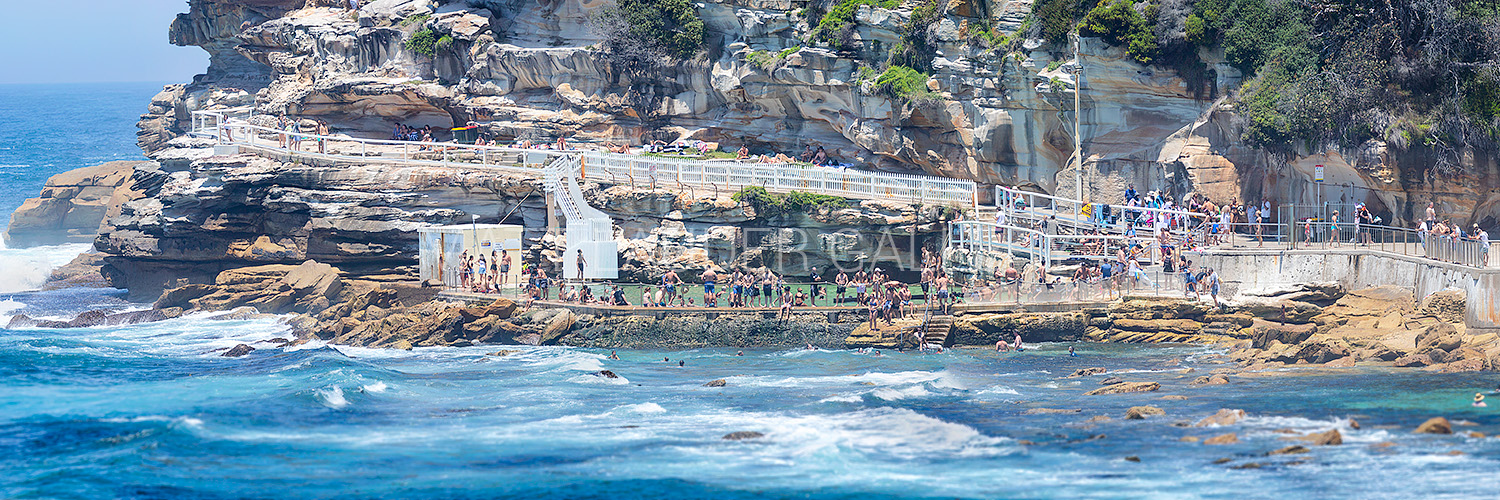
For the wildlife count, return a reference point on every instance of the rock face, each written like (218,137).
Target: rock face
(73,205)
(531,70)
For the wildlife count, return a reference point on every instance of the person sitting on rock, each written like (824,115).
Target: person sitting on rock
(743,153)
(821,157)
(807,154)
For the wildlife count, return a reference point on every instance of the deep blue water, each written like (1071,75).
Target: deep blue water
(52,128)
(151,411)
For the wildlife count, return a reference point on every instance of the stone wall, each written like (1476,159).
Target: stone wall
(1245,274)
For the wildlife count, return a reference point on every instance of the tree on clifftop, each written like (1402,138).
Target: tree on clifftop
(643,34)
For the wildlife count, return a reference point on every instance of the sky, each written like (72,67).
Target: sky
(82,41)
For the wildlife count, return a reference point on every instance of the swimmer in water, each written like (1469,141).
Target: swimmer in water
(681,363)
(1071,353)
(665,360)
(612,355)
(1479,400)
(741,353)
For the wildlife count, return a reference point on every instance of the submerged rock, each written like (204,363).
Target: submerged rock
(1141,412)
(1084,372)
(1125,387)
(1435,425)
(743,435)
(1229,438)
(1111,381)
(1215,379)
(716,383)
(1223,417)
(237,351)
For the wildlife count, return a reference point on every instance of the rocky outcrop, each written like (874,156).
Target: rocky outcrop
(73,205)
(987,329)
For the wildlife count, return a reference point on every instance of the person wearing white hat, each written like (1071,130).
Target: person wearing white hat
(1479,400)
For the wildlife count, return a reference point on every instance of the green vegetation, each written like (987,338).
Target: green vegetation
(769,205)
(767,61)
(1117,22)
(918,46)
(1414,74)
(415,20)
(837,25)
(641,34)
(424,41)
(1056,18)
(1052,66)
(906,84)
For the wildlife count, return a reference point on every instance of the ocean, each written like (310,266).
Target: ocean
(152,411)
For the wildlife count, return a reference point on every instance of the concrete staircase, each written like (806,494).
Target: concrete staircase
(935,333)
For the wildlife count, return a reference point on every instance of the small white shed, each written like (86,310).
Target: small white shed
(442,248)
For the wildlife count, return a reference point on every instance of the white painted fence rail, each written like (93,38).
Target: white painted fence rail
(723,176)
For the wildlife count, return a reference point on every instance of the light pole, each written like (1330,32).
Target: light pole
(1078,113)
(474,230)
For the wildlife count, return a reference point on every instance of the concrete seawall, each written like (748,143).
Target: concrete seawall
(1356,269)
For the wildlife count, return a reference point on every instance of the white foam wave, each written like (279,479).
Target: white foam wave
(842,398)
(641,409)
(599,379)
(24,269)
(890,394)
(377,387)
(332,397)
(8,306)
(868,378)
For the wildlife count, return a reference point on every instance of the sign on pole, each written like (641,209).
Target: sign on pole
(1318,173)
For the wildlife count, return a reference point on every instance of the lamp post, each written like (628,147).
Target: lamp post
(1078,113)
(474,230)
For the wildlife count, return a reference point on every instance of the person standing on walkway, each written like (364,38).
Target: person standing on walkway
(1213,286)
(817,287)
(579,259)
(709,299)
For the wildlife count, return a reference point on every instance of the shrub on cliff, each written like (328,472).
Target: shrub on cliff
(918,45)
(837,25)
(1118,22)
(428,43)
(668,28)
(906,84)
(769,205)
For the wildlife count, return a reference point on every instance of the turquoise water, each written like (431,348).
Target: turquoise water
(150,411)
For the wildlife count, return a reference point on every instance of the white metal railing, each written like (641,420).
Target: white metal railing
(612,168)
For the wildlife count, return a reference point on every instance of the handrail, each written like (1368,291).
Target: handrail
(778,177)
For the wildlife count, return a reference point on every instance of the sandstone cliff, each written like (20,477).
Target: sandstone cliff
(534,70)
(73,205)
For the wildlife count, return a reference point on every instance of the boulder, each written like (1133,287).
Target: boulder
(1321,350)
(1111,381)
(1229,438)
(558,325)
(1290,450)
(1266,332)
(743,435)
(1084,372)
(1413,360)
(607,374)
(237,351)
(1141,412)
(1331,437)
(1439,336)
(1282,311)
(1215,379)
(182,295)
(1223,417)
(1178,326)
(314,279)
(1124,388)
(1435,425)
(716,383)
